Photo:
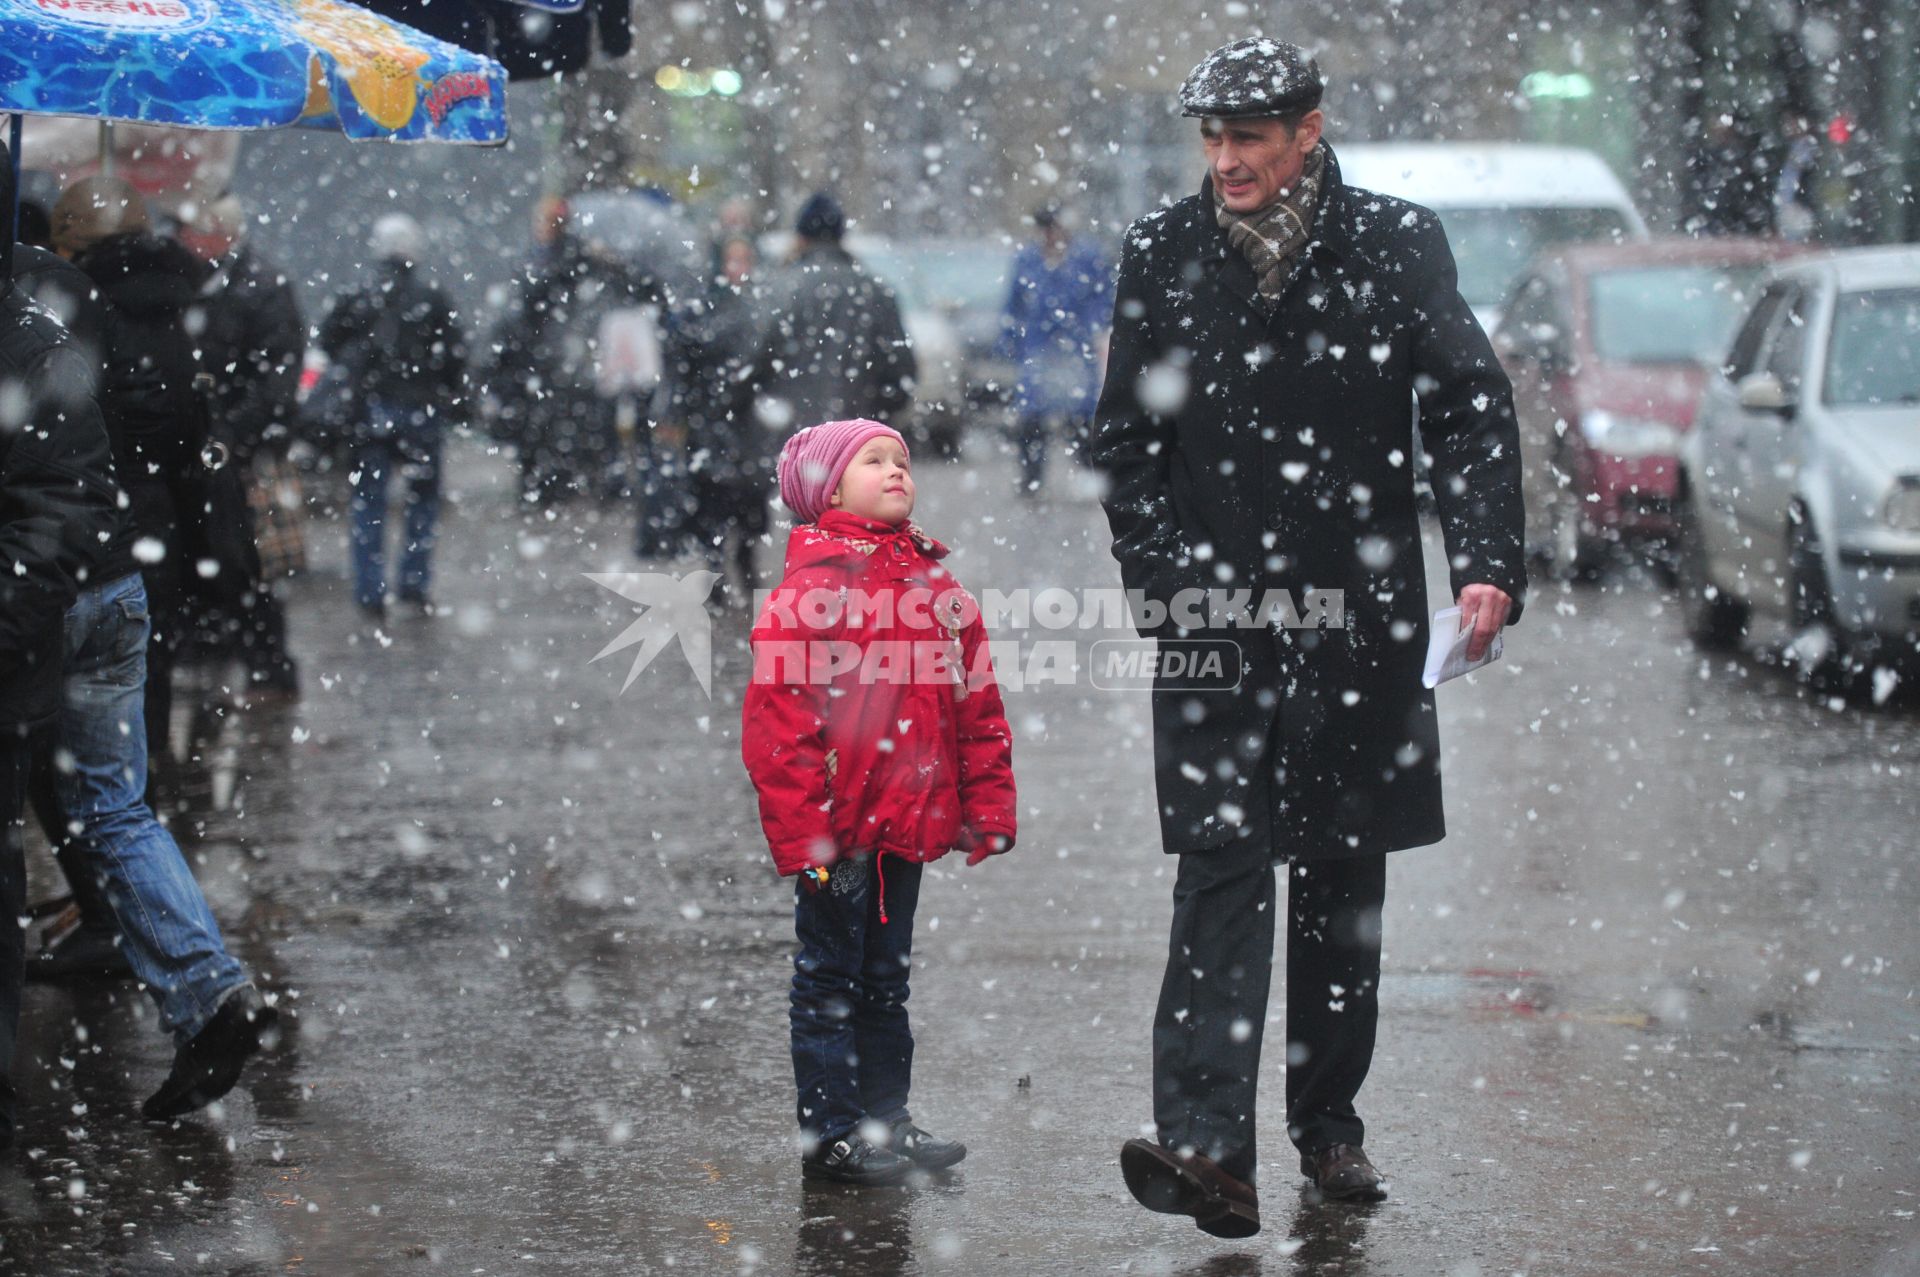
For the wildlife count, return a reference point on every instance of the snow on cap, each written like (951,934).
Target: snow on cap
(1254,76)
(814,459)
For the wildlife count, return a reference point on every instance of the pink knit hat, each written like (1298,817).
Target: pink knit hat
(814,459)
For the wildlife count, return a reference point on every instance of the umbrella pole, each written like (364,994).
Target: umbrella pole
(106,148)
(13,158)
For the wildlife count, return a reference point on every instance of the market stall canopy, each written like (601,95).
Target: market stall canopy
(247,64)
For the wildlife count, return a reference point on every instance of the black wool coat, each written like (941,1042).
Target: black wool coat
(57,503)
(1269,446)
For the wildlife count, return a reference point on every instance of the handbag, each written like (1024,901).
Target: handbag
(278,499)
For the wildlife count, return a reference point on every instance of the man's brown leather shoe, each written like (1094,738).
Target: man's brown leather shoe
(1176,1184)
(1343,1174)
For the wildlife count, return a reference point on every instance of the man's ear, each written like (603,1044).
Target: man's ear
(1307,136)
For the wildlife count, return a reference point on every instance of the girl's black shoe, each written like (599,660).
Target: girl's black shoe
(928,1152)
(851,1160)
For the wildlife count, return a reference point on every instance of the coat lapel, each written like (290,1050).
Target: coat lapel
(1229,269)
(1333,226)
(1235,277)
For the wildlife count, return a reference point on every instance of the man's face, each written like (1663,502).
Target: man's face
(1253,160)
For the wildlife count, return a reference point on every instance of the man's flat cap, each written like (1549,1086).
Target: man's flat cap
(1255,76)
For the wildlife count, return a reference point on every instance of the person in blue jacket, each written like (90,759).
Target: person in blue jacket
(1059,303)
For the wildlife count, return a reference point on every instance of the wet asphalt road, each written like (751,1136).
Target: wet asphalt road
(1650,1009)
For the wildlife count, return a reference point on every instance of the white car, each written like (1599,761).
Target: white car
(1800,480)
(1500,202)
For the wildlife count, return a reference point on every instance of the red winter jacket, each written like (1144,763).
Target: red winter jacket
(873,723)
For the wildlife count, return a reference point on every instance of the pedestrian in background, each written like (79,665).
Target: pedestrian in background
(709,393)
(1058,304)
(58,503)
(148,288)
(140,910)
(863,777)
(252,346)
(404,344)
(1269,333)
(831,338)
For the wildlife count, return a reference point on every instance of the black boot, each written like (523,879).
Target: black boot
(207,1067)
(851,1160)
(928,1152)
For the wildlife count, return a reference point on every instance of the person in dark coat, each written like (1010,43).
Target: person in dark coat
(832,340)
(408,353)
(141,912)
(147,288)
(252,346)
(551,389)
(1269,335)
(89,947)
(57,513)
(709,394)
(540,374)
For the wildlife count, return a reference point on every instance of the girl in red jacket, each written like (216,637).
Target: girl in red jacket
(875,736)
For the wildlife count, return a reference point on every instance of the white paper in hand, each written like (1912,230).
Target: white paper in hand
(1447,649)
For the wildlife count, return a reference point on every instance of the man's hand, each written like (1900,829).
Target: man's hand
(1483,609)
(978,848)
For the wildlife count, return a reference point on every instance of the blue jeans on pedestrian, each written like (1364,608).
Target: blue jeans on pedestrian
(852,1049)
(403,441)
(172,942)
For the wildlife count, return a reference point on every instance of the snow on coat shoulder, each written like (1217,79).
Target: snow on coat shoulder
(873,723)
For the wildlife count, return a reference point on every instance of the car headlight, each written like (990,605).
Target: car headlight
(1630,437)
(1902,511)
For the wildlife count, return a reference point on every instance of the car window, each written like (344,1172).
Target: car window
(1491,246)
(1787,344)
(1667,314)
(1873,356)
(894,269)
(1746,347)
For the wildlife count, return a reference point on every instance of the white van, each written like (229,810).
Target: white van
(1499,202)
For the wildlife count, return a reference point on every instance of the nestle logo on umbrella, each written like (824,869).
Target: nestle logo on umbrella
(450,90)
(139,14)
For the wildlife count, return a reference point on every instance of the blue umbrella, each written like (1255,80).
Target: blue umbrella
(246,64)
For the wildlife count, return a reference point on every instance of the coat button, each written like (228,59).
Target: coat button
(1275,521)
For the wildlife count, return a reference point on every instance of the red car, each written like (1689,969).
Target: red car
(1609,347)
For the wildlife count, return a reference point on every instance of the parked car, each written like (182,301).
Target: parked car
(1800,480)
(1609,347)
(965,281)
(1500,203)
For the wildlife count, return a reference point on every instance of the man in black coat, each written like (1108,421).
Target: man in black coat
(145,288)
(1270,336)
(833,345)
(56,513)
(403,342)
(252,346)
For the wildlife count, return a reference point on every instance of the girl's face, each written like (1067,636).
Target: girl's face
(878,483)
